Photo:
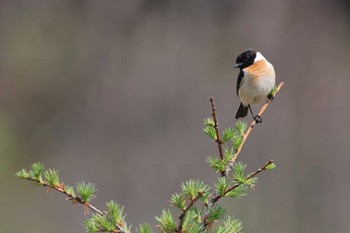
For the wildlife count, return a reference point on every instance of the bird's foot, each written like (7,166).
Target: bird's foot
(257,119)
(270,97)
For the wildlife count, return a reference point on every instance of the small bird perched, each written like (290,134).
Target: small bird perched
(255,80)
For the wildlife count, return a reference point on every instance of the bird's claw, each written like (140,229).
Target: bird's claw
(257,119)
(270,97)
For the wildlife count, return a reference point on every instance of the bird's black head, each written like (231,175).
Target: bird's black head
(245,59)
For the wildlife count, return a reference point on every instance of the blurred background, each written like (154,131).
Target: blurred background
(115,93)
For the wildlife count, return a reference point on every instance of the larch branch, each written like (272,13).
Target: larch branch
(76,199)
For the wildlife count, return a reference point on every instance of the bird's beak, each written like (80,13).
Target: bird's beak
(237,65)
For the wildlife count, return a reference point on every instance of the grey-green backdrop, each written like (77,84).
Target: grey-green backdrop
(115,93)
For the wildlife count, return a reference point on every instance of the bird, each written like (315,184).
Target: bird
(255,80)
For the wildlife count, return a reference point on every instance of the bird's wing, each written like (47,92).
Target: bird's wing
(239,81)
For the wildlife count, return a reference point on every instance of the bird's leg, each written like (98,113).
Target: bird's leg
(257,118)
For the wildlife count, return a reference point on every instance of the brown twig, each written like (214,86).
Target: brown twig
(262,110)
(212,201)
(75,199)
(184,211)
(250,176)
(216,126)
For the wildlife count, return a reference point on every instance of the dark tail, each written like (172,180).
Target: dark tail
(242,111)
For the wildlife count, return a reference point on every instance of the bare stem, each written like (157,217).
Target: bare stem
(262,110)
(216,126)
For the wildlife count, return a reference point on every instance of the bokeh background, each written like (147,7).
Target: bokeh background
(115,93)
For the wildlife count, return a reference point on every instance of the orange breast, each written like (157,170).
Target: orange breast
(258,69)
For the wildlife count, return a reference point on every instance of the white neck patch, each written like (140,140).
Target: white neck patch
(258,57)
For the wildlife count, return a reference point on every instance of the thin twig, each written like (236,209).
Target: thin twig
(76,199)
(184,211)
(249,177)
(212,201)
(216,126)
(262,110)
